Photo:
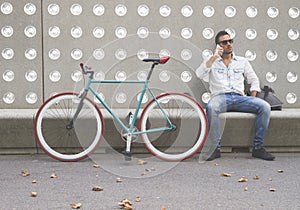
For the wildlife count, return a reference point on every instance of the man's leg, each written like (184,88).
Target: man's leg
(263,111)
(216,105)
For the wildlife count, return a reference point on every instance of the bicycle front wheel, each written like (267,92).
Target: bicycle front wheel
(191,126)
(60,136)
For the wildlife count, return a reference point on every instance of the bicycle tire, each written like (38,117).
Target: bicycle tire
(190,121)
(68,143)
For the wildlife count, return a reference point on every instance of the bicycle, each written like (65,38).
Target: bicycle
(69,126)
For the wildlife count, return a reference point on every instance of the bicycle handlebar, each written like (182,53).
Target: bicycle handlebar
(86,69)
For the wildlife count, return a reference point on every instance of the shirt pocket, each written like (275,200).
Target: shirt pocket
(238,73)
(219,73)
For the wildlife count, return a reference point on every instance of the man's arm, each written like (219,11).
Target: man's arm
(252,79)
(253,93)
(203,71)
(211,60)
(218,51)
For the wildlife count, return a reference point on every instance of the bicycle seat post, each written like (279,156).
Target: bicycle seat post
(156,61)
(151,70)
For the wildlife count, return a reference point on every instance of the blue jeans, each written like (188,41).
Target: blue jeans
(235,102)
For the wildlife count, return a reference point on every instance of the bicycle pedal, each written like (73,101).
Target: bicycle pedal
(127,156)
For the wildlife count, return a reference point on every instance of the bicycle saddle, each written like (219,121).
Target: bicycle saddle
(161,60)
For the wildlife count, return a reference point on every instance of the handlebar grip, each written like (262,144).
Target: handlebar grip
(86,69)
(82,67)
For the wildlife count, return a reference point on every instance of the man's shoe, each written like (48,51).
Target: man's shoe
(213,155)
(262,154)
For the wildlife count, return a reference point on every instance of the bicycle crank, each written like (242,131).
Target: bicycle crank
(124,135)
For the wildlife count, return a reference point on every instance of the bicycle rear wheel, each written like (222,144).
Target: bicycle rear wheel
(62,140)
(191,126)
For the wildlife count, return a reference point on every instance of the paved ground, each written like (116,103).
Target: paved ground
(191,184)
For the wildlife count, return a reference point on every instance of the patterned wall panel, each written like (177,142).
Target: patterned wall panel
(113,37)
(21,54)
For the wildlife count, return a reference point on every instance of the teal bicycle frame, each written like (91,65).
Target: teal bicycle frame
(129,131)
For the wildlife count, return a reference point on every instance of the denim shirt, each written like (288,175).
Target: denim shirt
(226,80)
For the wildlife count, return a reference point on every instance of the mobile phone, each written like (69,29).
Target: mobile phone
(220,53)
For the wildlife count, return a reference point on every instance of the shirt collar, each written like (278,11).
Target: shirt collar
(234,57)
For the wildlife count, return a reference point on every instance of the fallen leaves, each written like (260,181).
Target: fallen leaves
(75,205)
(33,194)
(247,177)
(141,162)
(125,204)
(150,169)
(24,173)
(118,180)
(226,174)
(256,177)
(97,188)
(138,199)
(96,166)
(243,179)
(53,175)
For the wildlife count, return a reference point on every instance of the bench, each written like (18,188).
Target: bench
(282,136)
(17,134)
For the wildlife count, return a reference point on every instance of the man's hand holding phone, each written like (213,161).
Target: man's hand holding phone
(219,50)
(218,53)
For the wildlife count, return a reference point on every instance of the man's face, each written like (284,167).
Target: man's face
(227,43)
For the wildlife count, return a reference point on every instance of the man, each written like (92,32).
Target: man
(226,73)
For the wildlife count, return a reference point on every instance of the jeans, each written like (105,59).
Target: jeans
(235,102)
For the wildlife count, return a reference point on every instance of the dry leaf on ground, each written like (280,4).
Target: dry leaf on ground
(53,175)
(141,162)
(138,199)
(96,166)
(256,177)
(125,204)
(33,194)
(243,179)
(97,188)
(226,174)
(280,171)
(24,173)
(75,205)
(150,169)
(119,179)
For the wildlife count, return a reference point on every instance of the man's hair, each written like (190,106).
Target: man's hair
(221,33)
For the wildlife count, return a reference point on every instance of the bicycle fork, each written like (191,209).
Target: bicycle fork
(80,105)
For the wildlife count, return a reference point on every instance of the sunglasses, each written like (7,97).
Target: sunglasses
(224,42)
